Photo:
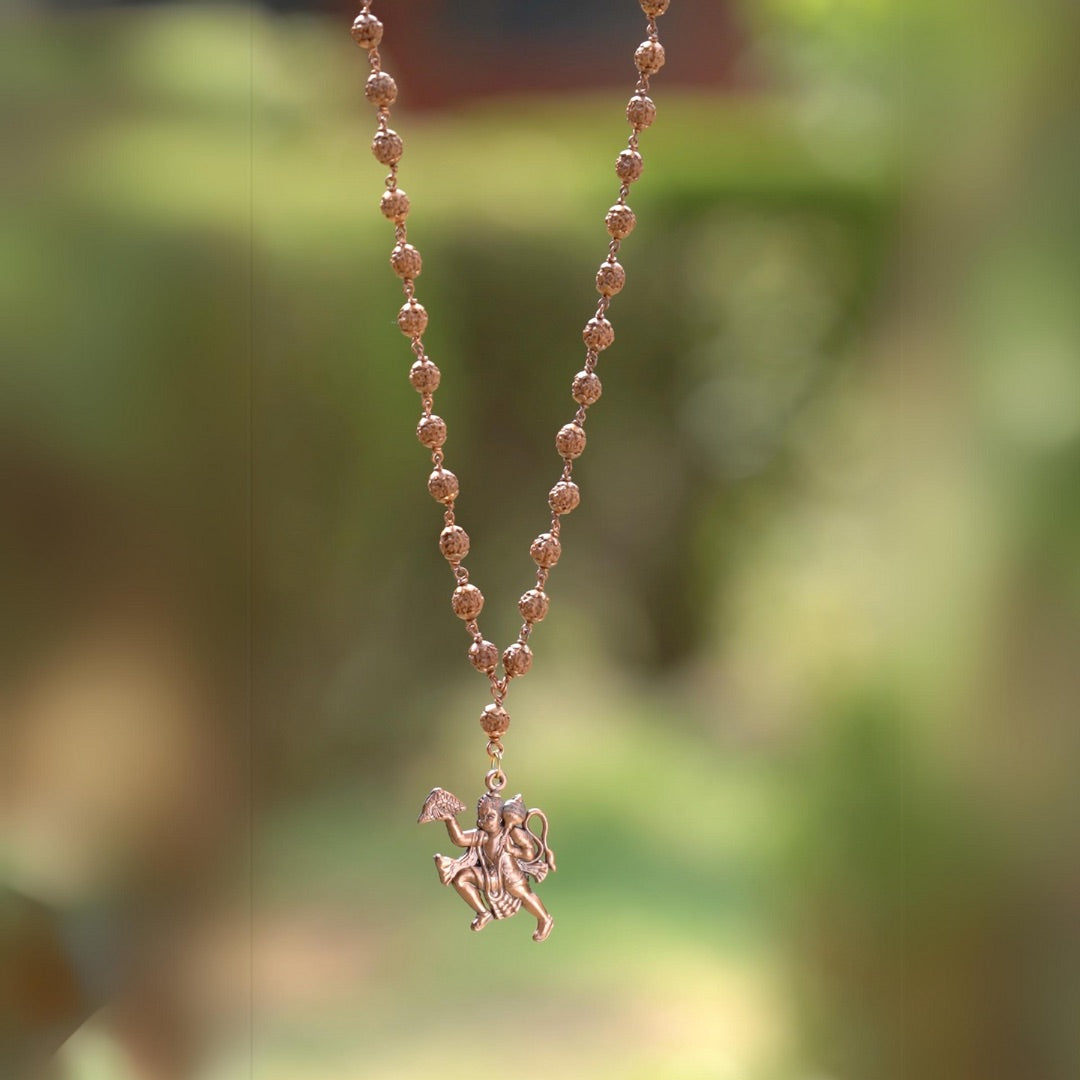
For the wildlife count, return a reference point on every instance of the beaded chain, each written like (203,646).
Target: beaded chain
(467,600)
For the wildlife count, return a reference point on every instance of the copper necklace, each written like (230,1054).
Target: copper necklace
(502,853)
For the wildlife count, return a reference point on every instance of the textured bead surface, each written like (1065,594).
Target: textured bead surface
(412,319)
(495,720)
(395,205)
(484,655)
(367,30)
(454,543)
(545,550)
(406,261)
(387,147)
(641,111)
(443,485)
(649,57)
(380,89)
(534,605)
(629,165)
(610,278)
(564,497)
(467,602)
(570,442)
(598,334)
(655,7)
(517,659)
(620,221)
(431,431)
(586,388)
(425,376)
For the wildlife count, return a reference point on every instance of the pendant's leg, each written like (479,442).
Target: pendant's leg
(535,907)
(471,895)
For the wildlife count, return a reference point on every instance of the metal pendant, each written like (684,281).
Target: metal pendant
(501,854)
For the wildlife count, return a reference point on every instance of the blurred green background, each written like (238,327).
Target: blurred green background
(803,715)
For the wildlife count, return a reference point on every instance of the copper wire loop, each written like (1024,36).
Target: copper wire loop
(496,779)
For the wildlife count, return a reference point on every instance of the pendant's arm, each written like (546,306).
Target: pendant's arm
(460,836)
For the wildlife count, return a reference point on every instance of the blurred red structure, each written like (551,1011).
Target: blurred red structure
(443,54)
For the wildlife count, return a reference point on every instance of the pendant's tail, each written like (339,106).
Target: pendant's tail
(549,855)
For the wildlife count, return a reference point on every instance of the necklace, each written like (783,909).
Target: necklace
(503,852)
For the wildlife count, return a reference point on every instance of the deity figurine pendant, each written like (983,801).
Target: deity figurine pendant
(501,854)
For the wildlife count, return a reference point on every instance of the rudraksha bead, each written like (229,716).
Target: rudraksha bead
(467,602)
(495,720)
(620,220)
(412,319)
(406,261)
(564,497)
(395,205)
(641,111)
(425,376)
(570,441)
(655,7)
(431,431)
(454,543)
(380,89)
(629,165)
(534,605)
(649,57)
(443,485)
(484,655)
(598,334)
(545,550)
(610,278)
(517,659)
(387,147)
(586,388)
(367,30)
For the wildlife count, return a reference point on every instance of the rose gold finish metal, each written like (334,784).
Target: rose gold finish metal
(502,852)
(495,721)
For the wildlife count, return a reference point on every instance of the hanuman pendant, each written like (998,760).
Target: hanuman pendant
(501,854)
